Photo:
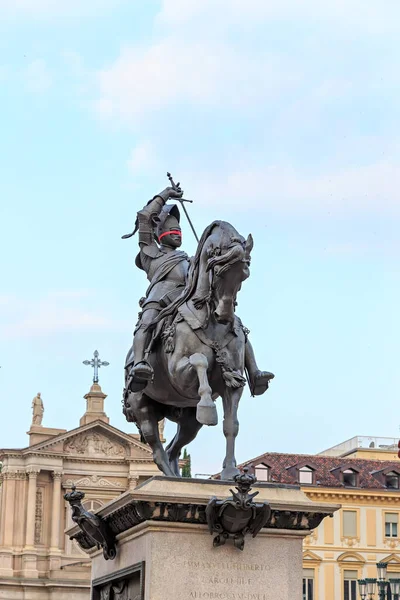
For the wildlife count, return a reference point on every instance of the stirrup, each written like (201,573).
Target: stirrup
(142,370)
(260,382)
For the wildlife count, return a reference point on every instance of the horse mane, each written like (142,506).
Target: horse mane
(193,276)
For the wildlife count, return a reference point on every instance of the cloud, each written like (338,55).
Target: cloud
(58,312)
(367,15)
(370,188)
(271,58)
(145,80)
(49,9)
(37,77)
(277,103)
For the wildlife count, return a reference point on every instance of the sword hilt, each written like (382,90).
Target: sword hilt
(175,186)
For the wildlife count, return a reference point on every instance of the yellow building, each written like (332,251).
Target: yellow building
(363,475)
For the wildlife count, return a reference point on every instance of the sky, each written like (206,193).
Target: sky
(281,117)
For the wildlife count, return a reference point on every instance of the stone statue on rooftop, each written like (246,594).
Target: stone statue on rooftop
(37,410)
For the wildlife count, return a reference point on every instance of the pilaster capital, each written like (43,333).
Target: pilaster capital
(56,475)
(9,473)
(32,472)
(133,480)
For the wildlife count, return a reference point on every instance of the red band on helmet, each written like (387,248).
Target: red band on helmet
(168,233)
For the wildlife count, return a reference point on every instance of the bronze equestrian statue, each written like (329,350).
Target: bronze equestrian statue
(189,347)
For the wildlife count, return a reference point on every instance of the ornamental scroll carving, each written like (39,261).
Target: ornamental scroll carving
(93,444)
(93,481)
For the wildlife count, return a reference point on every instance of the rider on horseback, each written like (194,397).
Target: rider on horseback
(166,267)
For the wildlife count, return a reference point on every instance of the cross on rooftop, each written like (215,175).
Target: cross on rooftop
(96,363)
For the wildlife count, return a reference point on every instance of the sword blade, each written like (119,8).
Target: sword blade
(190,222)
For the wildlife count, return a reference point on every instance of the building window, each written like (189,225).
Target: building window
(349,523)
(262,472)
(350,478)
(350,585)
(391,521)
(392,481)
(308,584)
(306,475)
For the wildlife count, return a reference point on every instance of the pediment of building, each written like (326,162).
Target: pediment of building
(392,559)
(351,557)
(94,440)
(311,557)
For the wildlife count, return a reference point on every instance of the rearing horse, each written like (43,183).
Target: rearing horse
(198,353)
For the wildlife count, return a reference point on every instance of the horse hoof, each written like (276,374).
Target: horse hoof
(229,473)
(207,415)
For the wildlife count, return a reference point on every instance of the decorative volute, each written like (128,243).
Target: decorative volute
(94,406)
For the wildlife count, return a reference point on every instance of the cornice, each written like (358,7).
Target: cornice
(342,549)
(140,460)
(135,512)
(361,496)
(94,459)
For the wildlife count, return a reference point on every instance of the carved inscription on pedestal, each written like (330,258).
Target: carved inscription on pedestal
(39,516)
(223,580)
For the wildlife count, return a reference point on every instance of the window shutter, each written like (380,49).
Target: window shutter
(391,517)
(349,523)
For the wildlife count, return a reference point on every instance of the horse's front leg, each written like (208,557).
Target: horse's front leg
(206,412)
(230,401)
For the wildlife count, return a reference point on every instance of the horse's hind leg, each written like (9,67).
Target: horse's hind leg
(206,413)
(230,402)
(147,417)
(188,427)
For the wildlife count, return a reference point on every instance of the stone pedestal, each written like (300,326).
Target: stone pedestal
(165,550)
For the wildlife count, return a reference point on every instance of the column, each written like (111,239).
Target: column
(56,511)
(9,505)
(2,508)
(31,508)
(7,522)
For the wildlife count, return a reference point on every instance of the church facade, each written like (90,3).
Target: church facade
(37,560)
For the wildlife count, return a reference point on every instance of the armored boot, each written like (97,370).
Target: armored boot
(258,380)
(141,370)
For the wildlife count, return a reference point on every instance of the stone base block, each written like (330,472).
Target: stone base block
(29,566)
(6,564)
(180,563)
